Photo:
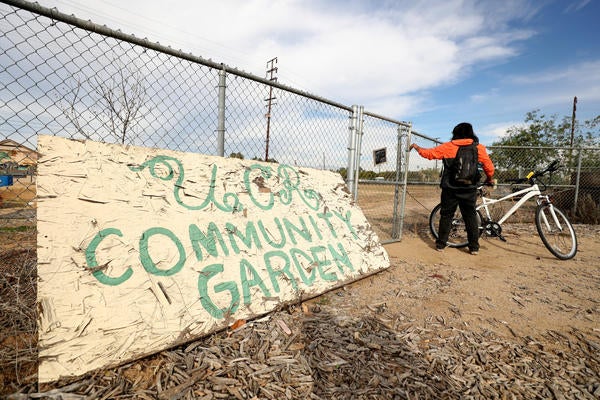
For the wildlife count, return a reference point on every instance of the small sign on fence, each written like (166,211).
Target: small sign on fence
(379,156)
(142,249)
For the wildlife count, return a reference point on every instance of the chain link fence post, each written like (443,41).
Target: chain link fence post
(350,171)
(402,158)
(577,180)
(221,110)
(358,149)
(395,222)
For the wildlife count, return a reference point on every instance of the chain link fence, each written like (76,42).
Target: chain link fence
(68,77)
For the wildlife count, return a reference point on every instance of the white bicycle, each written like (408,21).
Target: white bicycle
(552,225)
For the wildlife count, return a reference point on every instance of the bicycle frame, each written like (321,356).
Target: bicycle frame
(527,193)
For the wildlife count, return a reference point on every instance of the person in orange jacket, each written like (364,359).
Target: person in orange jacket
(463,197)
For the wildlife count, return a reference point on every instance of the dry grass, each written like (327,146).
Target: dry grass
(18,316)
(18,286)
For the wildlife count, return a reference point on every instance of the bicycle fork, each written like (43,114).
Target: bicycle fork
(545,200)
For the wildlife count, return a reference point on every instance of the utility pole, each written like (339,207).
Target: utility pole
(271,71)
(573,120)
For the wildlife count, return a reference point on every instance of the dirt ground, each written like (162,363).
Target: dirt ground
(515,288)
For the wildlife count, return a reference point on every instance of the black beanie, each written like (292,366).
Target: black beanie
(464,130)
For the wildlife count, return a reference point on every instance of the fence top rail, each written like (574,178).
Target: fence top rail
(423,136)
(90,26)
(491,147)
(393,121)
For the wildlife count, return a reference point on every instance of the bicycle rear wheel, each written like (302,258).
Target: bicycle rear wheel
(556,231)
(458,230)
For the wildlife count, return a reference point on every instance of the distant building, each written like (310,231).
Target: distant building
(16,155)
(17,160)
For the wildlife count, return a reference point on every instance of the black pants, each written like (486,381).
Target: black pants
(465,199)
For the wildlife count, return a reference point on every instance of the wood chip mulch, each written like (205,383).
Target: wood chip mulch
(310,353)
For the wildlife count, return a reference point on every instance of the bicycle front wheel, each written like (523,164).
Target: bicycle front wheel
(556,231)
(458,229)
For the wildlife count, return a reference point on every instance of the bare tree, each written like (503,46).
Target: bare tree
(116,102)
(123,95)
(70,108)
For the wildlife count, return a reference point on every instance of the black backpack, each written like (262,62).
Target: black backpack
(463,170)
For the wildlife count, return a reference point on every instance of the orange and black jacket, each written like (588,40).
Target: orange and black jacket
(449,149)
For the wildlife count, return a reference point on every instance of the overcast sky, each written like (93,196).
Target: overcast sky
(434,63)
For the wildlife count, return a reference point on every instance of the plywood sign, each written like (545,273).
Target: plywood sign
(140,249)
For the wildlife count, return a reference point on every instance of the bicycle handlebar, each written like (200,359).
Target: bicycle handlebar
(531,177)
